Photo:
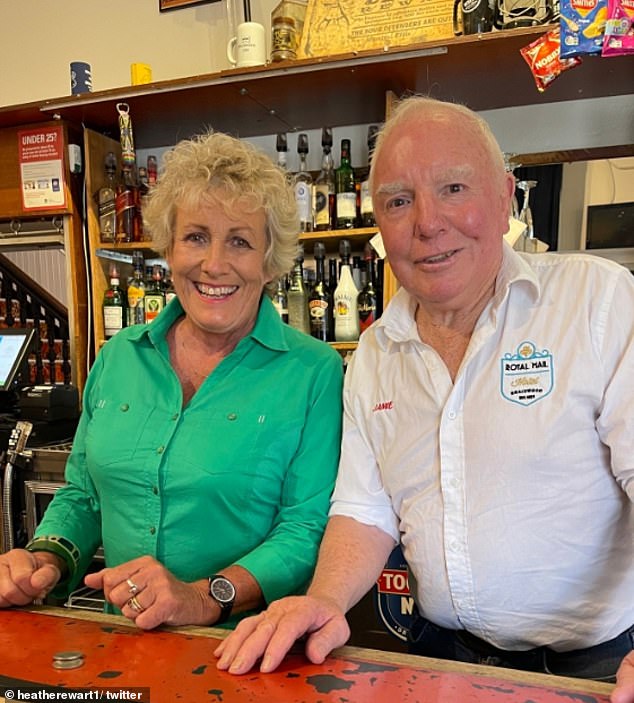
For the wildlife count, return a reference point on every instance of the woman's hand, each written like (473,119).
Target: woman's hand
(25,576)
(147,593)
(271,634)
(624,689)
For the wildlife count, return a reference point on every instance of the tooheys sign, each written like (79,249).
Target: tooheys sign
(393,599)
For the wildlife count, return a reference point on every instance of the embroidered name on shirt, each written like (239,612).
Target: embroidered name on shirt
(385,405)
(528,375)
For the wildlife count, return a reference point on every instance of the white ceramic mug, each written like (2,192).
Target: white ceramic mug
(248,47)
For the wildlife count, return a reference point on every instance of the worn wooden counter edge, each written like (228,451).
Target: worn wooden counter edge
(397,658)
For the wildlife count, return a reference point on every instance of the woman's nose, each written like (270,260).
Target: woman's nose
(214,259)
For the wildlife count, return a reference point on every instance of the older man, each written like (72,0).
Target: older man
(488,427)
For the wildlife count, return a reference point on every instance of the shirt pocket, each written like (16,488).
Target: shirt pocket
(114,432)
(228,441)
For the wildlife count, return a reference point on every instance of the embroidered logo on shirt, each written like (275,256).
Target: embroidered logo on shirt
(385,405)
(528,375)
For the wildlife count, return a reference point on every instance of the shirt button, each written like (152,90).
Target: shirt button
(451,414)
(124,407)
(155,490)
(455,482)
(152,530)
(175,416)
(232,416)
(160,450)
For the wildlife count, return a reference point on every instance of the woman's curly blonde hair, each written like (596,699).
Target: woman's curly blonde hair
(249,180)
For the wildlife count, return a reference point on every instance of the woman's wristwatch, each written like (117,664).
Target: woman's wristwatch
(223,592)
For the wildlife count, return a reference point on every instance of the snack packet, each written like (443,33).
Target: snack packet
(619,29)
(544,60)
(582,23)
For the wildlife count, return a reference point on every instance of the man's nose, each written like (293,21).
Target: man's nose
(427,216)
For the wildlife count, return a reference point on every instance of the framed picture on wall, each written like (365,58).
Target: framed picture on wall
(165,5)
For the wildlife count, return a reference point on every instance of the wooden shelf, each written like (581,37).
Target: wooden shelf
(484,72)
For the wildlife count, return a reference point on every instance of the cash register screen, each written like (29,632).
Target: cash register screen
(15,345)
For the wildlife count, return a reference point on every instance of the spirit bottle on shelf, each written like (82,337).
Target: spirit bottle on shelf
(325,186)
(106,198)
(304,187)
(152,170)
(345,300)
(114,317)
(320,303)
(298,298)
(345,189)
(367,210)
(280,299)
(154,298)
(136,291)
(366,302)
(125,208)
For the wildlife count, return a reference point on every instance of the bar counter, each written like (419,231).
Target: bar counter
(177,665)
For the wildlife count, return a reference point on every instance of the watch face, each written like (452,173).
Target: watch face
(222,590)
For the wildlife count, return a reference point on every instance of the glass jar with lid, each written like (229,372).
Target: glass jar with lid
(284,39)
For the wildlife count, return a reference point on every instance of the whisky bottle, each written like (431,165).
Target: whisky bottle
(136,291)
(106,200)
(304,187)
(280,299)
(298,298)
(367,210)
(125,209)
(154,298)
(114,317)
(325,186)
(344,185)
(367,300)
(320,303)
(152,170)
(345,300)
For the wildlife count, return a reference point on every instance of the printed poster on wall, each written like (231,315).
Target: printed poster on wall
(42,168)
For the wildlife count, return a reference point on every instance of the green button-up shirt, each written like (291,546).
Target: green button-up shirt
(241,475)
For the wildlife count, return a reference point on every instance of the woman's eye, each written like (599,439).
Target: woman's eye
(240,243)
(194,237)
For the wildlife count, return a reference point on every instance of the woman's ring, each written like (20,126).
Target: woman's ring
(132,587)
(135,605)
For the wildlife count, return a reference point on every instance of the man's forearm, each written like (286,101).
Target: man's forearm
(351,557)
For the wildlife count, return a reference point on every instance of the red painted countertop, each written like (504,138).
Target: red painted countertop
(177,665)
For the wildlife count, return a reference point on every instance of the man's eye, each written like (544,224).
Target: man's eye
(396,203)
(455,188)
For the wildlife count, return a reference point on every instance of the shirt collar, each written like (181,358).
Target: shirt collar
(268,330)
(398,322)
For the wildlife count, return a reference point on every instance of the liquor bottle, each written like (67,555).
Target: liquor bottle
(280,299)
(168,287)
(106,200)
(367,210)
(125,208)
(152,170)
(345,300)
(378,284)
(154,298)
(333,275)
(298,298)
(320,302)
(281,146)
(114,317)
(356,271)
(304,187)
(325,186)
(136,291)
(367,300)
(344,186)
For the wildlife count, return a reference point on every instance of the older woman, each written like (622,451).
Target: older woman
(208,443)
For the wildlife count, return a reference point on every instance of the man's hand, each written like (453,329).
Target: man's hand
(272,633)
(624,690)
(25,576)
(148,594)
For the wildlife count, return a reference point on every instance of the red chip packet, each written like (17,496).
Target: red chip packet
(542,56)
